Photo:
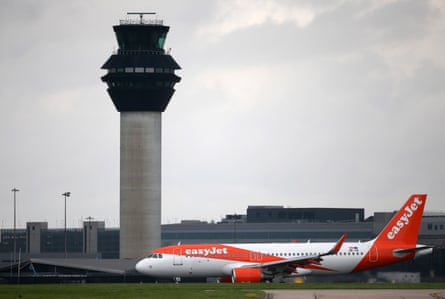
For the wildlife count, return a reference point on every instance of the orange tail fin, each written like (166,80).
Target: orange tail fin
(404,226)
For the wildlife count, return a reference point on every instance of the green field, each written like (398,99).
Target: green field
(183,291)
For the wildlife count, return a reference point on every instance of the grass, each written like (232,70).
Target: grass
(131,291)
(183,291)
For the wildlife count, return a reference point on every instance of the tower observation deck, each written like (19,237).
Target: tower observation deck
(141,79)
(141,75)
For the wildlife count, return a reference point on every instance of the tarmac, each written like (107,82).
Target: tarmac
(356,294)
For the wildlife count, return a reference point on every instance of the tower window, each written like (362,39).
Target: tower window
(129,70)
(138,69)
(149,70)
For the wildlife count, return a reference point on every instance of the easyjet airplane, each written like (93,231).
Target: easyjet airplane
(257,262)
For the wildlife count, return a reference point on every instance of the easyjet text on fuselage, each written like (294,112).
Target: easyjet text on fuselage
(207,251)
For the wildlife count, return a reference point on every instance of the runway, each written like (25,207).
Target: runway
(356,294)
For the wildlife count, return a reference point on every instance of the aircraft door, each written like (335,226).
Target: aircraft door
(373,254)
(255,256)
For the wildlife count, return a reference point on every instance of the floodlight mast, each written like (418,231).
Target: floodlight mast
(141,15)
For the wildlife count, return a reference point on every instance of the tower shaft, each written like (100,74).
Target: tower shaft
(140,181)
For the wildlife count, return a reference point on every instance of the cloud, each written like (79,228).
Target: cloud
(238,15)
(371,6)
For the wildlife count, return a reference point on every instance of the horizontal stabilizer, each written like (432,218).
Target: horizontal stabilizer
(403,252)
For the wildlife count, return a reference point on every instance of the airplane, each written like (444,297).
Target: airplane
(256,262)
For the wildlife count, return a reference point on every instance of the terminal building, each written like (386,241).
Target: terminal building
(38,246)
(265,214)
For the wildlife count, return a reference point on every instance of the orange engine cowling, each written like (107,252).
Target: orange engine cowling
(246,275)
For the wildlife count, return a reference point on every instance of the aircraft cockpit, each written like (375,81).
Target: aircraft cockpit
(155,256)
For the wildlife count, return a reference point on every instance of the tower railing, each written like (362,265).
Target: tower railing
(141,22)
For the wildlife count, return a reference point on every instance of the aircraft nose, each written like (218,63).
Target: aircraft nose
(143,266)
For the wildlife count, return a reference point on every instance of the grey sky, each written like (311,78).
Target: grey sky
(294,103)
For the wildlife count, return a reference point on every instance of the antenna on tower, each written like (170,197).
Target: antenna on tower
(141,15)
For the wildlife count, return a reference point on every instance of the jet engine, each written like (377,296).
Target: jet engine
(246,275)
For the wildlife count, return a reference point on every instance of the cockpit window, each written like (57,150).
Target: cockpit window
(155,256)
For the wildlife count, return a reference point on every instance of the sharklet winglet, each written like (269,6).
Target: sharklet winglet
(337,246)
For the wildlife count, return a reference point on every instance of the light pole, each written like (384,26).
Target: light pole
(15,190)
(65,195)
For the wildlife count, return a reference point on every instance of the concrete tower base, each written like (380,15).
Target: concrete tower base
(140,183)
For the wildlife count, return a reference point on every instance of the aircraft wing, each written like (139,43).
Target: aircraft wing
(289,265)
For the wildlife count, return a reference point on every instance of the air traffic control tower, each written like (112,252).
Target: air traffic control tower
(141,79)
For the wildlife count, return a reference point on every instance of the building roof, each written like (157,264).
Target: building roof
(110,266)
